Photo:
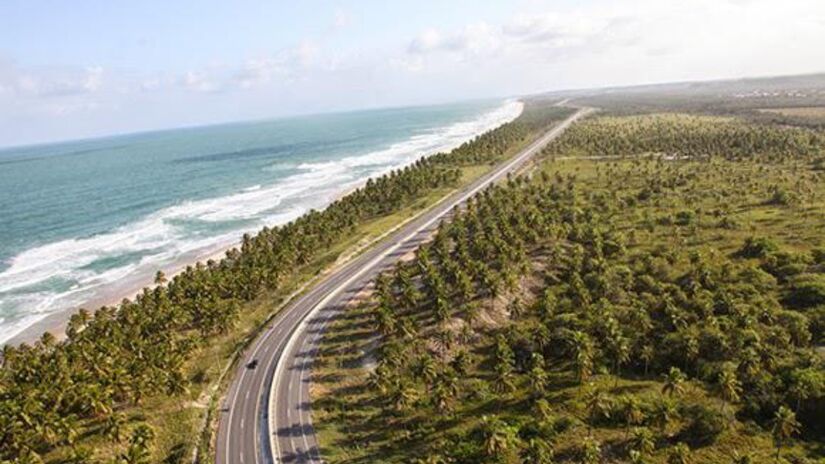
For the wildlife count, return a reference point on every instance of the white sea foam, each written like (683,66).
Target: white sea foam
(162,237)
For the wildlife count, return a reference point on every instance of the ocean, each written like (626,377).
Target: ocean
(76,218)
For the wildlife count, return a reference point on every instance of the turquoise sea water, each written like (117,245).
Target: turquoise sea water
(77,217)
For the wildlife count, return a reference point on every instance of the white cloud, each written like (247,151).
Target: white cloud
(283,66)
(429,40)
(662,39)
(341,19)
(150,84)
(49,82)
(59,109)
(200,81)
(542,47)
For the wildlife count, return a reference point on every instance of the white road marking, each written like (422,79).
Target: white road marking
(235,399)
(301,400)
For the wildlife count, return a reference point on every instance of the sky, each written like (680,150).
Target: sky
(74,69)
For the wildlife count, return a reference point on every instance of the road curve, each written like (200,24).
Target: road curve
(274,395)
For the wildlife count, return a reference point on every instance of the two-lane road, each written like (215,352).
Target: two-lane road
(266,415)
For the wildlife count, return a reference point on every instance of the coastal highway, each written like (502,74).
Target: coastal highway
(265,416)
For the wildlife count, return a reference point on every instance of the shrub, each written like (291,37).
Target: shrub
(818,255)
(729,223)
(785,265)
(760,279)
(806,291)
(704,425)
(758,247)
(665,220)
(685,218)
(797,326)
(782,197)
(817,318)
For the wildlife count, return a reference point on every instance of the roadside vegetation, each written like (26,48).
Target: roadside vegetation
(654,291)
(131,383)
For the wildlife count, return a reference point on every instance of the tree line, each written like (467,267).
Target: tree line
(541,283)
(113,358)
(687,136)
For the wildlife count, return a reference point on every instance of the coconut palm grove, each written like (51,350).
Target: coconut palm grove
(649,288)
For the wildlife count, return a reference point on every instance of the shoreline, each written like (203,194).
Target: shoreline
(114,293)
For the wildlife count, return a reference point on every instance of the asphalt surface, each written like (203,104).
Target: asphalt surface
(266,414)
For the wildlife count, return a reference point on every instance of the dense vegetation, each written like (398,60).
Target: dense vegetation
(55,393)
(625,308)
(685,136)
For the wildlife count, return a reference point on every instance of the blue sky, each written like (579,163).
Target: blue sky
(74,68)
(164,36)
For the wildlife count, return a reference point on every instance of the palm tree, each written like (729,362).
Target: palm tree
(142,434)
(432,459)
(583,355)
(504,363)
(785,426)
(138,450)
(543,409)
(28,456)
(464,286)
(461,362)
(79,455)
(541,335)
(113,427)
(427,368)
(404,396)
(632,412)
(499,437)
(741,458)
(642,441)
(538,381)
(516,308)
(620,352)
(636,457)
(728,386)
(385,321)
(598,406)
(674,382)
(546,305)
(442,397)
(806,383)
(537,451)
(503,381)
(679,454)
(136,453)
(378,379)
(646,355)
(591,451)
(664,411)
(176,383)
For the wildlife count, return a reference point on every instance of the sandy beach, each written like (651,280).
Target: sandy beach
(113,294)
